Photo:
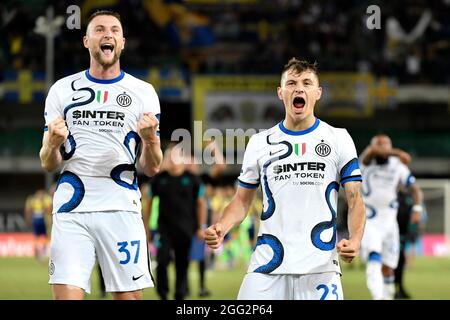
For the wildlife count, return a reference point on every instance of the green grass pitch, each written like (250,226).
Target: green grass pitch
(426,278)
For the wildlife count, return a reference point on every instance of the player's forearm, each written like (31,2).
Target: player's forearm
(233,214)
(50,157)
(151,158)
(417,194)
(356,210)
(356,221)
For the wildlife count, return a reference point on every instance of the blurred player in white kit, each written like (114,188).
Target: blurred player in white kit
(384,170)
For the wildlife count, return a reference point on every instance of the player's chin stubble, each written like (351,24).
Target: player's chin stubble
(98,57)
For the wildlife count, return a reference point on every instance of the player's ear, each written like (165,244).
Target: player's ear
(123,43)
(318,93)
(85,42)
(280,96)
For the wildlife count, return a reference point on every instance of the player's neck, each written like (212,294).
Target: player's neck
(98,71)
(299,125)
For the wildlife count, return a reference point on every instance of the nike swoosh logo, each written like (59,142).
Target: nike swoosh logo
(272,153)
(75,99)
(135,278)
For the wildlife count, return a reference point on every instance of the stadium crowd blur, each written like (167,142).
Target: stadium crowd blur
(247,36)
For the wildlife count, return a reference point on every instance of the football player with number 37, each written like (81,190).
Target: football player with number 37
(97,122)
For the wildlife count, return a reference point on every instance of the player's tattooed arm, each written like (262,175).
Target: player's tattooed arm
(348,249)
(356,209)
(51,142)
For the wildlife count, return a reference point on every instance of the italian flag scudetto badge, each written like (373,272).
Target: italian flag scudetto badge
(102,96)
(300,152)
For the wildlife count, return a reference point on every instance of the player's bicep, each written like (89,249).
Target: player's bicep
(246,196)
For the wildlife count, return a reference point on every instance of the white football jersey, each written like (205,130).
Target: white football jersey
(99,156)
(300,173)
(380,187)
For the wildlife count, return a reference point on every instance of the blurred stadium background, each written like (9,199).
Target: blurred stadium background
(218,61)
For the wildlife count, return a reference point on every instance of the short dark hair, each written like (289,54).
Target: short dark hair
(299,66)
(103,13)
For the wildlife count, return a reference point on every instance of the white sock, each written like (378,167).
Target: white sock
(389,287)
(374,279)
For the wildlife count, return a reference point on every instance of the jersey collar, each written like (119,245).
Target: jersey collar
(105,81)
(300,132)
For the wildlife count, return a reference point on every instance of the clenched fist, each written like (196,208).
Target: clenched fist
(147,127)
(214,236)
(57,133)
(347,249)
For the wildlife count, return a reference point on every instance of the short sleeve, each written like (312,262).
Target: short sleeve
(250,173)
(53,106)
(406,177)
(349,169)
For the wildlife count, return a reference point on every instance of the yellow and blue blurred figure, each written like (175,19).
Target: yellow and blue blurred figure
(38,208)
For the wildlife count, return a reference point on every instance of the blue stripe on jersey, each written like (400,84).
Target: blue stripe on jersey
(78,187)
(104,81)
(137,139)
(410,180)
(351,178)
(366,188)
(393,204)
(300,132)
(270,200)
(119,169)
(325,225)
(278,252)
(248,185)
(347,170)
(80,103)
(371,212)
(73,145)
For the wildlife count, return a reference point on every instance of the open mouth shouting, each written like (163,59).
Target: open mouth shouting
(299,104)
(107,48)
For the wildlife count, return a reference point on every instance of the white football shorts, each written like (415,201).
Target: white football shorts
(316,286)
(383,238)
(116,238)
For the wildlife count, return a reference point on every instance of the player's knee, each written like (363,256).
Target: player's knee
(67,292)
(130,295)
(387,271)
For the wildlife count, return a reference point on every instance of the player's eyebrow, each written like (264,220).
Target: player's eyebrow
(116,26)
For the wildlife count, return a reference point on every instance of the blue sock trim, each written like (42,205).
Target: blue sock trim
(374,256)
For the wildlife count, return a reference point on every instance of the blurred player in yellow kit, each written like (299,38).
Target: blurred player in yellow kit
(38,209)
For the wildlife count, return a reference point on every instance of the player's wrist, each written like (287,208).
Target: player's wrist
(151,141)
(53,145)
